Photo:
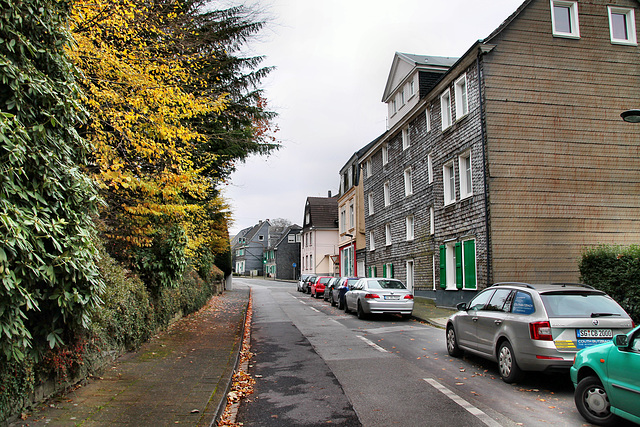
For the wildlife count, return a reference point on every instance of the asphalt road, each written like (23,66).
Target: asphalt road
(315,365)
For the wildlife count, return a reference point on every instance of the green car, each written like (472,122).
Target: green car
(607,380)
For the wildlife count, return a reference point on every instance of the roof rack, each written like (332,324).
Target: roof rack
(582,285)
(524,285)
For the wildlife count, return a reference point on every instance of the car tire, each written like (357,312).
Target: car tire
(340,304)
(361,314)
(345,306)
(592,402)
(332,301)
(507,364)
(452,342)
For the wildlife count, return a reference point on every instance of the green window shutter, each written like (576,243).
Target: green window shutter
(375,271)
(391,272)
(459,265)
(470,264)
(384,270)
(369,271)
(443,266)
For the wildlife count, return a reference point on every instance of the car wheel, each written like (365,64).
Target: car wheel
(345,306)
(452,342)
(509,370)
(332,301)
(361,314)
(340,303)
(592,402)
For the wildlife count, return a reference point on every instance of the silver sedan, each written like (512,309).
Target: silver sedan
(379,295)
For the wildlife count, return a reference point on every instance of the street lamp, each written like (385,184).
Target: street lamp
(631,116)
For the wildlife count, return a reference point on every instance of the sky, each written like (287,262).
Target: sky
(332,59)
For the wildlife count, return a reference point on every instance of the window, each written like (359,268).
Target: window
(464,167)
(385,154)
(430,167)
(311,266)
(564,19)
(387,193)
(372,241)
(387,270)
(387,234)
(352,216)
(406,142)
(462,104)
(427,114)
(261,237)
(394,107)
(622,26)
(409,224)
(349,179)
(410,274)
(371,211)
(445,109)
(310,239)
(367,168)
(402,97)
(432,221)
(291,238)
(523,303)
(433,271)
(343,221)
(408,184)
(449,179)
(412,88)
(458,265)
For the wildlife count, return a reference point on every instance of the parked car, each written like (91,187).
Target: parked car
(317,286)
(607,380)
(301,282)
(328,288)
(339,291)
(378,295)
(306,284)
(527,327)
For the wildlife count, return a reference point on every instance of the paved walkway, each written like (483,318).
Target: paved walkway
(181,376)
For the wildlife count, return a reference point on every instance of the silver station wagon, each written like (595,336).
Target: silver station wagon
(377,295)
(527,327)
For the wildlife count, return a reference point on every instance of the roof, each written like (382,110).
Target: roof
(251,234)
(323,212)
(285,235)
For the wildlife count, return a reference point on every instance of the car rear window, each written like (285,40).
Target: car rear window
(581,304)
(325,280)
(385,284)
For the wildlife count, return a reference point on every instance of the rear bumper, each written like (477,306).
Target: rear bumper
(401,307)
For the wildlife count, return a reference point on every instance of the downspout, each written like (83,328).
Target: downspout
(481,51)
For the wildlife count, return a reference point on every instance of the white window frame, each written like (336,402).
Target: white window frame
(408,182)
(352,216)
(449,182)
(394,107)
(410,274)
(630,24)
(432,221)
(371,204)
(412,87)
(445,109)
(430,167)
(574,22)
(387,193)
(462,98)
(367,168)
(311,238)
(372,241)
(387,234)
(410,227)
(343,220)
(466,175)
(406,141)
(402,100)
(450,266)
(433,271)
(385,154)
(427,114)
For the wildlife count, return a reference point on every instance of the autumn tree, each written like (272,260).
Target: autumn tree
(50,282)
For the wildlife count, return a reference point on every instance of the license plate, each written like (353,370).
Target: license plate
(394,297)
(594,333)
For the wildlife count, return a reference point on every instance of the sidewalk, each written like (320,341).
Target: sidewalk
(181,376)
(426,310)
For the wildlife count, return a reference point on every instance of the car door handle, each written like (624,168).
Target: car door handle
(497,322)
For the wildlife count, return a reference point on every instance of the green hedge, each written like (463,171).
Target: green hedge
(615,270)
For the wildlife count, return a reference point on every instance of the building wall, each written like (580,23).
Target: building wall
(325,244)
(563,166)
(288,254)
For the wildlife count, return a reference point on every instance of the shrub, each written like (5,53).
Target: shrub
(616,271)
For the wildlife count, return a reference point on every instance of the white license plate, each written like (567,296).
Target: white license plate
(394,297)
(594,333)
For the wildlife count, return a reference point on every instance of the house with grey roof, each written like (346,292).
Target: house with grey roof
(319,252)
(283,254)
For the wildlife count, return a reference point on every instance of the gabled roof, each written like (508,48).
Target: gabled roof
(323,212)
(411,62)
(285,235)
(251,234)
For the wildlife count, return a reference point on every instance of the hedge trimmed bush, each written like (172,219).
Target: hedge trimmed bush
(615,270)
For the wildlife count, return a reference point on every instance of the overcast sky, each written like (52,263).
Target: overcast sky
(332,60)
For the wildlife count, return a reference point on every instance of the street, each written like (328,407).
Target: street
(314,364)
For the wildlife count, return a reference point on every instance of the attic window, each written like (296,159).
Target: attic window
(622,25)
(564,19)
(261,237)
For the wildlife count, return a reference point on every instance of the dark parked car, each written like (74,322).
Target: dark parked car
(301,281)
(338,292)
(328,288)
(317,287)
(527,327)
(306,283)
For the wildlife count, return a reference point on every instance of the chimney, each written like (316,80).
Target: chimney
(329,193)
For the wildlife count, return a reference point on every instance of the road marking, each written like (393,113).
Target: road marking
(466,405)
(302,302)
(315,309)
(372,344)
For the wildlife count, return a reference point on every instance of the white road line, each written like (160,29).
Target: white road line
(466,405)
(315,309)
(372,344)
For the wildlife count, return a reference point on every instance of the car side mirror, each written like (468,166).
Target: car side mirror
(621,341)
(462,306)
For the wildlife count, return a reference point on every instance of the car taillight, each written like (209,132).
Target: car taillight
(371,296)
(540,331)
(408,296)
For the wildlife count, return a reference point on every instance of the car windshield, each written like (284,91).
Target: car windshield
(581,304)
(385,284)
(324,280)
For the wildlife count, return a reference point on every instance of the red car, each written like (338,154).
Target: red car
(317,287)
